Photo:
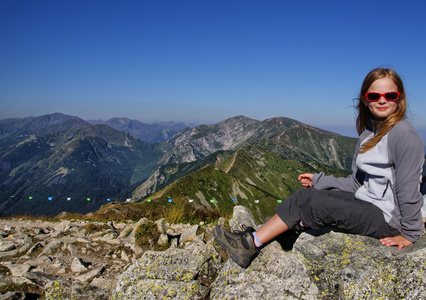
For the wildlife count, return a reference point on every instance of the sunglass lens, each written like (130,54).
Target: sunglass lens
(373,96)
(391,96)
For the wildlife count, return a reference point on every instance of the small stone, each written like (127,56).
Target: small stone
(7,246)
(90,275)
(18,269)
(124,256)
(78,265)
(73,249)
(161,225)
(189,234)
(163,239)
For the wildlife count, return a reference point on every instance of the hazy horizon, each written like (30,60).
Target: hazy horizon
(205,61)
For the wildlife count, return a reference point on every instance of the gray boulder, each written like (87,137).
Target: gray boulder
(7,246)
(189,234)
(35,247)
(313,265)
(86,277)
(78,265)
(63,226)
(175,273)
(61,289)
(130,241)
(17,269)
(277,274)
(6,254)
(13,296)
(345,266)
(242,216)
(51,247)
(161,225)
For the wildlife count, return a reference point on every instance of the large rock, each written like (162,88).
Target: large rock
(64,290)
(242,216)
(17,269)
(277,274)
(51,247)
(86,277)
(130,241)
(327,265)
(7,246)
(175,273)
(189,234)
(78,265)
(345,266)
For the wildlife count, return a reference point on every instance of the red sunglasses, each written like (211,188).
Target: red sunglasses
(389,96)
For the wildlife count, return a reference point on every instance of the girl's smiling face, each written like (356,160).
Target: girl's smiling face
(383,108)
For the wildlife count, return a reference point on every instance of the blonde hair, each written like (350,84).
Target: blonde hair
(365,119)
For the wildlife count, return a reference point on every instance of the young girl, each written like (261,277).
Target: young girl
(381,198)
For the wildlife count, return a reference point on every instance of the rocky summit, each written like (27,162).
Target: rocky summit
(77,259)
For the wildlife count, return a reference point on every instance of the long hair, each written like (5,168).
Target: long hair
(365,119)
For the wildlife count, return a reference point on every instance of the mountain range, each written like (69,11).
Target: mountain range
(55,163)
(157,132)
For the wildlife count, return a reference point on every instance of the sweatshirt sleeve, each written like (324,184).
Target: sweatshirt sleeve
(348,184)
(407,149)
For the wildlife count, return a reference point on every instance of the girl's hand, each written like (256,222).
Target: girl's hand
(396,241)
(306,180)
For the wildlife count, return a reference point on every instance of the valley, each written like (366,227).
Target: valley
(55,163)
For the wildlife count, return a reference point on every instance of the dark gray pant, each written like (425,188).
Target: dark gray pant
(336,209)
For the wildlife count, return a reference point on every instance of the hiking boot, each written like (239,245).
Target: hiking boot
(239,244)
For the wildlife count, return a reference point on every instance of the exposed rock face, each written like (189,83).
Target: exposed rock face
(276,274)
(193,144)
(355,267)
(176,273)
(82,260)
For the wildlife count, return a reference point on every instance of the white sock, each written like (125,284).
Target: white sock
(257,243)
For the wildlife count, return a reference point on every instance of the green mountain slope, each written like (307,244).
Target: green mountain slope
(167,174)
(192,148)
(254,177)
(309,144)
(63,157)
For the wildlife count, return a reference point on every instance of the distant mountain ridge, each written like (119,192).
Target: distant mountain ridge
(88,164)
(40,125)
(157,132)
(64,157)
(192,144)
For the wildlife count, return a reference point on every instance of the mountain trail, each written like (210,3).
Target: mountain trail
(284,131)
(232,163)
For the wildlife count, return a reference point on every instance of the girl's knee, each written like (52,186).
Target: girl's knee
(309,214)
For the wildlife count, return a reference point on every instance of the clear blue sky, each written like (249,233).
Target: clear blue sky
(203,61)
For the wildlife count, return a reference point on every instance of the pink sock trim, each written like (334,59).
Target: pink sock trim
(257,243)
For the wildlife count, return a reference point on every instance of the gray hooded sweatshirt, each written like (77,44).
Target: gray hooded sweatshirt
(388,176)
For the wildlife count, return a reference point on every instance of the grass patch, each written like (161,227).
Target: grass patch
(146,232)
(31,218)
(4,270)
(93,227)
(179,211)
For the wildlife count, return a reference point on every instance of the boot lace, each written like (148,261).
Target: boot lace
(242,232)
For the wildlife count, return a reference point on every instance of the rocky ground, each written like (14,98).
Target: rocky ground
(77,259)
(34,252)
